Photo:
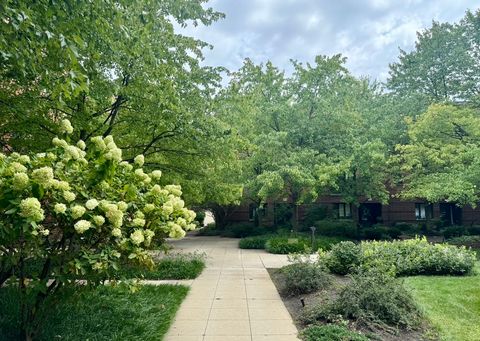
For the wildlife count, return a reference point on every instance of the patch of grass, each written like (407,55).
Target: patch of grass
(452,304)
(105,313)
(178,266)
(331,332)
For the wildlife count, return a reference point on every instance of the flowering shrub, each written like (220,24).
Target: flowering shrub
(81,211)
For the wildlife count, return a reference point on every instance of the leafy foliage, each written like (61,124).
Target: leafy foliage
(331,332)
(303,277)
(337,227)
(343,258)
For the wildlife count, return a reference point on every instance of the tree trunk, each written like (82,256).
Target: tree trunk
(295,217)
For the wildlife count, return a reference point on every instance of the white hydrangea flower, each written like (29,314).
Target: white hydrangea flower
(122,206)
(108,139)
(98,220)
(43,176)
(20,181)
(116,232)
(114,215)
(139,160)
(24,159)
(147,180)
(69,196)
(176,231)
(60,208)
(137,237)
(78,211)
(66,127)
(139,173)
(59,142)
(149,234)
(72,152)
(31,209)
(156,174)
(60,185)
(139,214)
(91,204)
(16,167)
(182,222)
(138,222)
(190,227)
(81,144)
(149,208)
(167,208)
(82,226)
(126,165)
(174,189)
(45,232)
(99,142)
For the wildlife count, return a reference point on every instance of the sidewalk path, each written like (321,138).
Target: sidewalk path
(234,298)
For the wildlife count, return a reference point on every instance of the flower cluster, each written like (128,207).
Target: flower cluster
(124,209)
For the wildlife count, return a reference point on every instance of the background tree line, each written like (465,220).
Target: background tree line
(119,67)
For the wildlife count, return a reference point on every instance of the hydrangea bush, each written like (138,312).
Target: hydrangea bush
(80,211)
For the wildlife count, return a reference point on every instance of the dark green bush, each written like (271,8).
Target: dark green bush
(257,242)
(285,245)
(473,230)
(469,241)
(373,299)
(209,230)
(200,217)
(304,277)
(326,243)
(331,332)
(338,227)
(454,231)
(375,233)
(315,213)
(406,227)
(343,257)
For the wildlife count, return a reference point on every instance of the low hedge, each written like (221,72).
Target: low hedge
(284,244)
(337,227)
(257,242)
(331,332)
(408,257)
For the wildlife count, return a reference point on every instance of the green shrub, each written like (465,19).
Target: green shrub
(473,230)
(469,241)
(372,299)
(338,227)
(209,230)
(200,217)
(406,227)
(284,245)
(381,232)
(343,257)
(417,257)
(304,277)
(257,242)
(177,266)
(242,231)
(326,243)
(331,332)
(454,231)
(315,213)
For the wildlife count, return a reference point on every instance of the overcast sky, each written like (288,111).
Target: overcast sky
(367,32)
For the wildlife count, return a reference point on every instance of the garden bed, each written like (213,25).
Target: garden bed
(296,309)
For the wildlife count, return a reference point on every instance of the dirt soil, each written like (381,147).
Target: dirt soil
(296,308)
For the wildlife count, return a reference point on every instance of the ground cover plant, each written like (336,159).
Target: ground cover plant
(331,332)
(304,276)
(451,304)
(104,313)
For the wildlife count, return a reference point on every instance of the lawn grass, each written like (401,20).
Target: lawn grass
(452,304)
(105,313)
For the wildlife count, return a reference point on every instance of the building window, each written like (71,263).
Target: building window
(343,210)
(423,211)
(252,212)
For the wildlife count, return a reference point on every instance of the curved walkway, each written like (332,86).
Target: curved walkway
(234,298)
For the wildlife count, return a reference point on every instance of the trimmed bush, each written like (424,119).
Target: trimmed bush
(469,241)
(257,242)
(454,231)
(315,213)
(331,332)
(373,299)
(304,277)
(417,257)
(343,257)
(381,232)
(284,245)
(338,227)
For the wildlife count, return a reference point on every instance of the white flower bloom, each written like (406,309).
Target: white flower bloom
(156,174)
(91,204)
(16,167)
(60,208)
(45,232)
(99,142)
(69,196)
(82,226)
(78,211)
(43,176)
(139,172)
(81,144)
(149,234)
(137,237)
(139,160)
(138,222)
(72,152)
(98,220)
(167,208)
(190,227)
(59,142)
(149,208)
(147,180)
(66,127)
(122,206)
(174,189)
(24,159)
(20,181)
(108,139)
(31,209)
(139,214)
(60,185)
(116,232)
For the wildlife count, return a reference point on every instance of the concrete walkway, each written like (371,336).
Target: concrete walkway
(234,298)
